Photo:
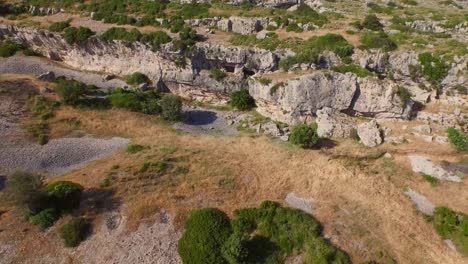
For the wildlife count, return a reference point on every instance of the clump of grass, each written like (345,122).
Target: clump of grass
(454,226)
(217,74)
(264,80)
(275,88)
(458,139)
(431,179)
(403,94)
(134,148)
(9,49)
(59,26)
(353,68)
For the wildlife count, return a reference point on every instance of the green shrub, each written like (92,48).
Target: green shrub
(188,36)
(275,88)
(144,102)
(63,195)
(294,28)
(70,91)
(43,108)
(116,33)
(74,231)
(171,107)
(410,2)
(23,187)
(137,78)
(403,94)
(30,52)
(39,132)
(217,74)
(379,40)
(45,219)
(304,135)
(264,81)
(235,249)
(206,231)
(372,22)
(59,26)
(78,35)
(9,49)
(305,14)
(458,139)
(461,89)
(433,68)
(134,148)
(354,135)
(242,100)
(454,226)
(354,68)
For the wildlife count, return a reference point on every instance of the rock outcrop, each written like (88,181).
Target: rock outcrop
(370,134)
(333,124)
(421,164)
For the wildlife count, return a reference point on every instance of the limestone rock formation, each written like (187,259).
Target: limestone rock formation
(370,134)
(333,124)
(421,164)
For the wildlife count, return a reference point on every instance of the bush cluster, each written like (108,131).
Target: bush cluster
(78,35)
(242,100)
(59,26)
(304,135)
(137,78)
(372,22)
(267,234)
(217,74)
(378,40)
(403,94)
(171,107)
(74,231)
(156,39)
(70,91)
(9,49)
(458,139)
(433,68)
(354,68)
(454,226)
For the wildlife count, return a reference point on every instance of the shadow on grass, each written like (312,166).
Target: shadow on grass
(261,249)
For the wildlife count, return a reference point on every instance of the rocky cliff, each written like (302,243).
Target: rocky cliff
(292,100)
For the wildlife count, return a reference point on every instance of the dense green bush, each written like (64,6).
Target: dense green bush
(305,14)
(372,22)
(171,107)
(235,249)
(242,100)
(191,10)
(378,40)
(78,35)
(144,102)
(454,226)
(70,91)
(59,26)
(354,68)
(116,33)
(458,139)
(206,230)
(63,196)
(137,78)
(304,135)
(45,218)
(270,42)
(433,68)
(134,148)
(23,187)
(42,107)
(217,74)
(9,49)
(74,231)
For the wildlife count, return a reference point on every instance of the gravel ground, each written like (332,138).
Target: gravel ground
(421,202)
(35,65)
(205,122)
(154,243)
(59,155)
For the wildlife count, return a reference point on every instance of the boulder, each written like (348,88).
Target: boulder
(421,164)
(143,87)
(370,133)
(333,124)
(47,76)
(108,77)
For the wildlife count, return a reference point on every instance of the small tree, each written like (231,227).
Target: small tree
(304,135)
(171,107)
(74,231)
(235,249)
(242,100)
(23,187)
(372,22)
(70,91)
(63,195)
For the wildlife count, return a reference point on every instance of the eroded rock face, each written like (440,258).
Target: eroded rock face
(333,124)
(370,134)
(299,99)
(421,164)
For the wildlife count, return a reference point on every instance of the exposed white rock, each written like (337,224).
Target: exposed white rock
(421,164)
(370,133)
(425,129)
(298,202)
(333,124)
(421,202)
(395,140)
(47,76)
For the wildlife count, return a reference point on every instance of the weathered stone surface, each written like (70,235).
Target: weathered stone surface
(333,124)
(304,96)
(47,76)
(370,133)
(421,164)
(425,129)
(421,202)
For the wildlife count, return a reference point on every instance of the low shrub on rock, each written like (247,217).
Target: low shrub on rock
(206,230)
(242,100)
(9,49)
(74,231)
(78,35)
(171,107)
(70,91)
(217,74)
(137,78)
(304,135)
(45,218)
(59,26)
(372,22)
